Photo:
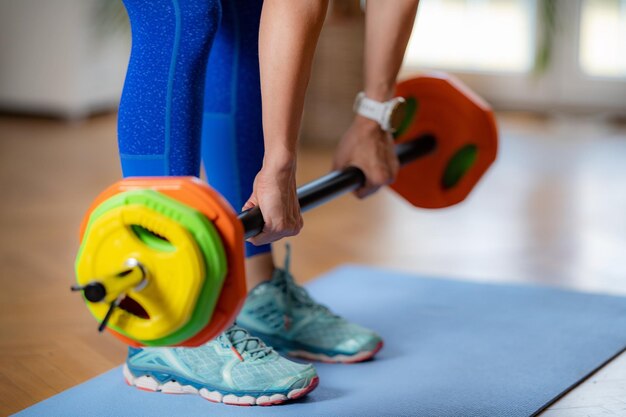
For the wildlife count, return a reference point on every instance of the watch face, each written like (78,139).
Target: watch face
(398,114)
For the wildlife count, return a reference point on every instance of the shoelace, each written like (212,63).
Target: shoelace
(242,341)
(297,296)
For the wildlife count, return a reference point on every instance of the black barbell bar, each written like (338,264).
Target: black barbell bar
(339,182)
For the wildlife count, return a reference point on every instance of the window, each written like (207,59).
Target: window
(475,35)
(603,38)
(492,45)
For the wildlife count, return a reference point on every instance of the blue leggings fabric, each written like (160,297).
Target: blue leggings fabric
(192,90)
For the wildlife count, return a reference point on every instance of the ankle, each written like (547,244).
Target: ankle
(259,269)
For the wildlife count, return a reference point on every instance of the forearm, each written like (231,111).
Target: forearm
(388,28)
(287,39)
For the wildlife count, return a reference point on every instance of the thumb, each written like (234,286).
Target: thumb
(340,162)
(252,202)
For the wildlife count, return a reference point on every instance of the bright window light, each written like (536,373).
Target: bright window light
(603,38)
(474,35)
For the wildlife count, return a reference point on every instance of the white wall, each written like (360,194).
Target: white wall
(53,61)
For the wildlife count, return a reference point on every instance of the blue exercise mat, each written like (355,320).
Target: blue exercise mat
(452,349)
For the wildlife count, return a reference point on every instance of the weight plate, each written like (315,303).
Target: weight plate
(467,140)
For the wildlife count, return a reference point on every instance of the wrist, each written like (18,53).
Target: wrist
(369,125)
(382,91)
(279,161)
(385,113)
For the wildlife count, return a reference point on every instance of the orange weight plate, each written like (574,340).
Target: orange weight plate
(466,134)
(197,194)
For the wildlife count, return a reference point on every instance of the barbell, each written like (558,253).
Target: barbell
(161,259)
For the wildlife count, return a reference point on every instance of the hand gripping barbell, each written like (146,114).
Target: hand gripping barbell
(161,260)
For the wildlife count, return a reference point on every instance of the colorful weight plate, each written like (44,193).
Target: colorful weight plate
(175,266)
(467,140)
(198,195)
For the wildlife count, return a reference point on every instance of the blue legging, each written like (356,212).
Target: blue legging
(192,88)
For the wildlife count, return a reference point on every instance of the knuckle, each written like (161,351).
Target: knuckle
(379,178)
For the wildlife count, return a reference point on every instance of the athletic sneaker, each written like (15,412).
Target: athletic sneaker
(235,368)
(283,314)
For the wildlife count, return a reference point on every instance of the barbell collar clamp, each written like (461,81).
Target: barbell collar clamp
(96,290)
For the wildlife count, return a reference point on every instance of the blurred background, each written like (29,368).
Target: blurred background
(551,210)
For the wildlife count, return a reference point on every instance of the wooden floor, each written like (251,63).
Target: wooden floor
(552,211)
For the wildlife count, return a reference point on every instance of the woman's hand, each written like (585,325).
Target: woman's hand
(274,191)
(368,147)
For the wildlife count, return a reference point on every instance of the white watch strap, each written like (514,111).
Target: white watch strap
(369,108)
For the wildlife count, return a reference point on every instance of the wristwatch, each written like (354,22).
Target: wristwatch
(389,114)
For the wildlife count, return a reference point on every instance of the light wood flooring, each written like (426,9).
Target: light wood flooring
(551,211)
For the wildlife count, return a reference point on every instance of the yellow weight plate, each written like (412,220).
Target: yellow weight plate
(175,270)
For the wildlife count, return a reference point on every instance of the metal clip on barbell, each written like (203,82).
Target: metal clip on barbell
(133,276)
(180,246)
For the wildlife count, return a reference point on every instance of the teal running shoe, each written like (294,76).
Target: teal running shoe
(283,314)
(235,368)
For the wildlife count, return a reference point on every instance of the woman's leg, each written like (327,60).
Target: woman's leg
(159,129)
(232,151)
(160,115)
(232,135)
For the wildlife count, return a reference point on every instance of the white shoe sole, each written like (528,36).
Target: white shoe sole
(359,357)
(148,383)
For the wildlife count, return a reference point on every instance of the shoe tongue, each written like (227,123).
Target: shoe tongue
(237,337)
(279,277)
(283,280)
